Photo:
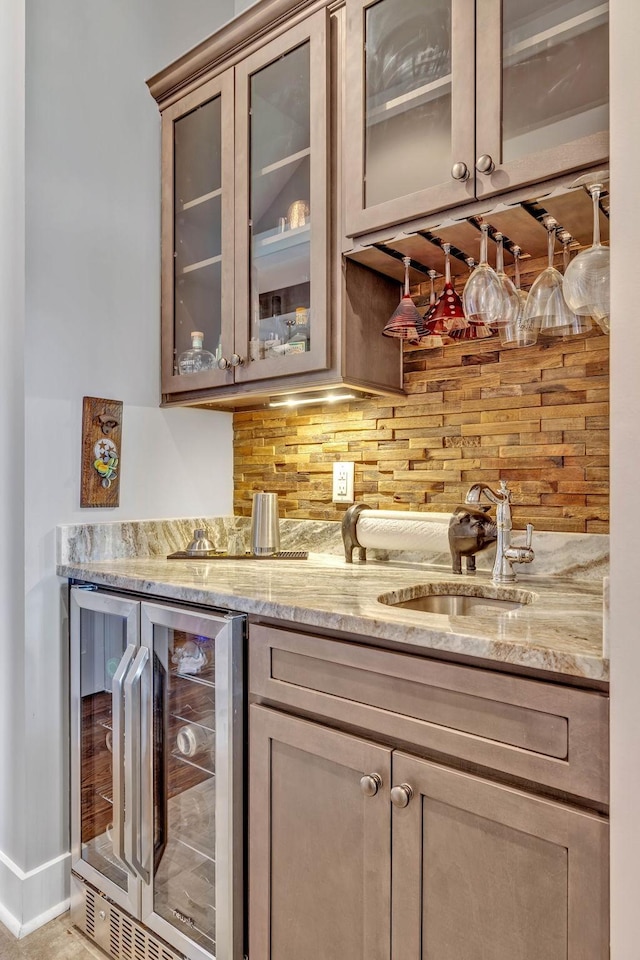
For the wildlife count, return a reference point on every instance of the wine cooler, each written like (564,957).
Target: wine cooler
(157,777)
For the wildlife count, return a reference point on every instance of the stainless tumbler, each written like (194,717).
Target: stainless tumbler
(265,531)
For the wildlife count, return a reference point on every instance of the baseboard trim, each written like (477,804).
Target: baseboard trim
(29,899)
(20,930)
(8,920)
(39,921)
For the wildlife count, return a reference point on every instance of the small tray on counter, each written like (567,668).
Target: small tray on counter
(212,555)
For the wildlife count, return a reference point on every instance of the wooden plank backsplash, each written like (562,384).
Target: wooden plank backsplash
(535,416)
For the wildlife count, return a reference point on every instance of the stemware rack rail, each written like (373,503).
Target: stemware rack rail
(522,222)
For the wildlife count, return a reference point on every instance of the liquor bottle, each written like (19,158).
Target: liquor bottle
(196,359)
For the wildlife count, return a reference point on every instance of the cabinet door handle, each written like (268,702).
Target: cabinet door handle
(117,754)
(370,784)
(460,171)
(133,811)
(485,164)
(401,795)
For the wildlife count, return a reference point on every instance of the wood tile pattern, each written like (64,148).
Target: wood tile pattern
(535,416)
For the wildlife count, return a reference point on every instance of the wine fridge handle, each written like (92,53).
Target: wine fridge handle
(117,761)
(132,765)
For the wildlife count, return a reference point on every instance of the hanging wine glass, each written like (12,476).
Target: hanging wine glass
(431,338)
(586,283)
(564,322)
(405,322)
(475,329)
(482,297)
(536,311)
(518,333)
(448,310)
(511,307)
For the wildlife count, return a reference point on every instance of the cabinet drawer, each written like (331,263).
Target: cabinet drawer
(553,735)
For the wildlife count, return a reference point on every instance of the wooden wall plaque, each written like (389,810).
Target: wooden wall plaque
(101,445)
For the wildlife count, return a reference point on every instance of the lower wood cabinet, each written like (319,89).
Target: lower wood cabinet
(361,851)
(484,871)
(320,850)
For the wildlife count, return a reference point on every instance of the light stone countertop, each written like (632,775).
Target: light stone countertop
(559,632)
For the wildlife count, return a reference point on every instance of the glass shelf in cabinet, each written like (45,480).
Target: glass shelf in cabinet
(189,204)
(539,42)
(283,162)
(200,264)
(384,109)
(282,259)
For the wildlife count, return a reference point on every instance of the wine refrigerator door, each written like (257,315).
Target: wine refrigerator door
(192,766)
(104,642)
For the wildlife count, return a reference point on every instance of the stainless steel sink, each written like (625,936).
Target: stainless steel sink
(458,600)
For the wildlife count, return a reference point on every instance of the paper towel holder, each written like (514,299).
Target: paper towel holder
(349,533)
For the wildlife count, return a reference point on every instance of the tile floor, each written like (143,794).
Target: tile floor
(57,940)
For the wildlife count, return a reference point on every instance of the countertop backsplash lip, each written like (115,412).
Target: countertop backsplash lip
(582,556)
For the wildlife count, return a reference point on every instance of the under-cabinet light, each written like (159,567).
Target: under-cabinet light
(330,398)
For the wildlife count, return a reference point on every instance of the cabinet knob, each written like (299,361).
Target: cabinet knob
(485,164)
(460,171)
(223,363)
(371,784)
(236,360)
(401,795)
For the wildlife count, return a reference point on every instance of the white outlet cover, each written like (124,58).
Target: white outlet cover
(343,471)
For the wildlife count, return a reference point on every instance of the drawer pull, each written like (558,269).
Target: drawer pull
(371,784)
(401,795)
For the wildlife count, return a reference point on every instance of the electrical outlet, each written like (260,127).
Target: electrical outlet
(343,481)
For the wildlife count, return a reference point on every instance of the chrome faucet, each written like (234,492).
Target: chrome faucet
(506,555)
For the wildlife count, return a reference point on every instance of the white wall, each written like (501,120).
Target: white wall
(625,475)
(92,328)
(12,97)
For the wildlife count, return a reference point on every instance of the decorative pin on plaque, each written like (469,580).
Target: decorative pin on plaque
(101,439)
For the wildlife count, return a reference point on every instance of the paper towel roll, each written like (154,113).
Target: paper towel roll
(403,530)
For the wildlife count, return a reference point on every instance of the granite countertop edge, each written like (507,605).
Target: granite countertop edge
(559,633)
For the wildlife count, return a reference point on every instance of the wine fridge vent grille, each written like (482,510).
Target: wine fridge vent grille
(90,914)
(128,941)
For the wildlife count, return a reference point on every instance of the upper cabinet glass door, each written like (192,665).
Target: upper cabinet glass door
(198,238)
(409,135)
(543,89)
(281,275)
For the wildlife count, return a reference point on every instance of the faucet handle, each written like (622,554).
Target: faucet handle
(529,539)
(504,491)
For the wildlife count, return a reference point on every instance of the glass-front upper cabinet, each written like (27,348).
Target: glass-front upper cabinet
(409,109)
(453,100)
(281,210)
(197,294)
(543,89)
